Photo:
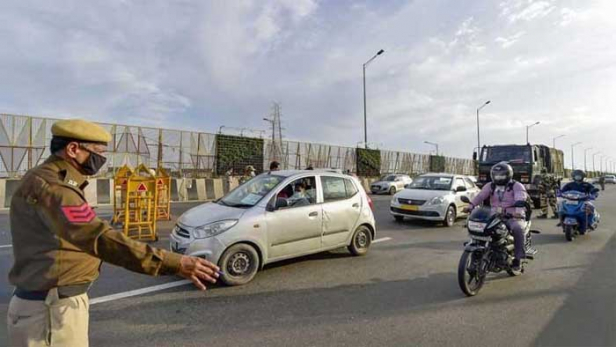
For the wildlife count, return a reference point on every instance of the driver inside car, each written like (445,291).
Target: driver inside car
(505,194)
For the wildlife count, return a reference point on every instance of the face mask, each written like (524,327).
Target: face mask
(93,164)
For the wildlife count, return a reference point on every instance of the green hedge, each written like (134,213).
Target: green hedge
(437,163)
(238,152)
(368,162)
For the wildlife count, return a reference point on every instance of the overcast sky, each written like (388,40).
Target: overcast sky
(197,65)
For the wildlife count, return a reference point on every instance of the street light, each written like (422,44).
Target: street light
(433,144)
(478,141)
(573,161)
(528,127)
(554,140)
(365,116)
(585,150)
(593,161)
(220,129)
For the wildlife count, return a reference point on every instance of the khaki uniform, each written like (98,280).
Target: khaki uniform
(547,191)
(58,243)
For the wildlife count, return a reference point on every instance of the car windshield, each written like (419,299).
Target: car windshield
(506,153)
(388,178)
(432,183)
(251,192)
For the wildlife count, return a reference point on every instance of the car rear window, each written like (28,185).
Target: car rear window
(334,188)
(351,189)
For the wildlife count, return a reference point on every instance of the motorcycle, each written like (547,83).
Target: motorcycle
(575,206)
(491,247)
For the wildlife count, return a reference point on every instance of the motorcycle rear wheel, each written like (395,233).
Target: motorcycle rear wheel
(470,284)
(569,233)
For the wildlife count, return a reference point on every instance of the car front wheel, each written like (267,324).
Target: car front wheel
(450,217)
(239,264)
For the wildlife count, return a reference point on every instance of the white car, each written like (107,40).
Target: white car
(434,196)
(390,184)
(277,216)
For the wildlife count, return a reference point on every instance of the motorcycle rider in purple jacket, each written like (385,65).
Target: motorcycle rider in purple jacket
(503,193)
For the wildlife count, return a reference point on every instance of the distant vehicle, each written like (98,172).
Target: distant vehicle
(527,162)
(610,179)
(435,197)
(277,216)
(390,184)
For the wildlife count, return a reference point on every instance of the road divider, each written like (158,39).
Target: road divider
(382,239)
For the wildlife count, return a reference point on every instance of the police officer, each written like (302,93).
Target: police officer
(59,243)
(547,192)
(602,181)
(249,173)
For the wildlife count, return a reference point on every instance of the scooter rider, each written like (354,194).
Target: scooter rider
(503,193)
(580,185)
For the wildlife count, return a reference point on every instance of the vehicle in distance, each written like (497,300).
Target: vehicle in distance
(435,197)
(277,216)
(390,184)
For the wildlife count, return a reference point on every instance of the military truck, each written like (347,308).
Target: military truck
(527,162)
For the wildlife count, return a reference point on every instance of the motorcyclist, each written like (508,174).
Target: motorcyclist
(580,185)
(503,193)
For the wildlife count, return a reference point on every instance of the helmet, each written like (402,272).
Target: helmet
(501,173)
(578,175)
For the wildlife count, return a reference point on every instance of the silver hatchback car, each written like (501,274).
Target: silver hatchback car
(277,216)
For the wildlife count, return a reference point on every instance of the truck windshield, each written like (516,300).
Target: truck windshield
(520,154)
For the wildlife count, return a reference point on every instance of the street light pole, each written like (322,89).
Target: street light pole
(528,127)
(478,139)
(586,150)
(554,140)
(365,113)
(572,160)
(433,144)
(593,161)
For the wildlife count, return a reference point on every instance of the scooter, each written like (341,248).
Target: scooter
(576,207)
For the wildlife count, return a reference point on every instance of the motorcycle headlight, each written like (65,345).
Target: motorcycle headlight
(213,229)
(437,200)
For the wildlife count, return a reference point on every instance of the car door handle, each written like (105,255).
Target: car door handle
(355,205)
(313,214)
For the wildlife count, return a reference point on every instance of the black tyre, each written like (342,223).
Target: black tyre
(450,217)
(392,190)
(569,233)
(361,241)
(398,218)
(471,274)
(239,264)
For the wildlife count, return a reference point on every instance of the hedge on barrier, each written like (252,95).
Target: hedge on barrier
(437,163)
(238,152)
(368,162)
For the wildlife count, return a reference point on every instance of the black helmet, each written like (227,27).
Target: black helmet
(578,175)
(501,173)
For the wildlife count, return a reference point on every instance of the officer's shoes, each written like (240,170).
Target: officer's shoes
(516,267)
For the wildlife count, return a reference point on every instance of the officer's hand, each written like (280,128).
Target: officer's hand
(467,209)
(198,270)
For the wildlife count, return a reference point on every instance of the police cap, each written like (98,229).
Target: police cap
(80,130)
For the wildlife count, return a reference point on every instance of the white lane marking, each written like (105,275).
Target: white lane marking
(138,292)
(6,246)
(382,239)
(160,287)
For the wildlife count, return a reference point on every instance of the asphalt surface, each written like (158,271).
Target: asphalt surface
(404,292)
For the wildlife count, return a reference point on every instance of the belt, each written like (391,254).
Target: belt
(63,292)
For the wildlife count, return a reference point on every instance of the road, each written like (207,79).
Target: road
(404,292)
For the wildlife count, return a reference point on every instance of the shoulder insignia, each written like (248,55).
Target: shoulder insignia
(79,214)
(72,183)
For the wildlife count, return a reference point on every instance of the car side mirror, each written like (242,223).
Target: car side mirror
(281,203)
(465,199)
(460,189)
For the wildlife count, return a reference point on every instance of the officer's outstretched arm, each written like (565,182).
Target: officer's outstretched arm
(73,220)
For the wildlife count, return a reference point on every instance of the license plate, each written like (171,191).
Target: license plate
(409,207)
(569,202)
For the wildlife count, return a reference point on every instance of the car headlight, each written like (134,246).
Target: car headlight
(213,229)
(394,200)
(437,200)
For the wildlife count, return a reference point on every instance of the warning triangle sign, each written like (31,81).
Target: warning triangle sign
(160,182)
(142,188)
